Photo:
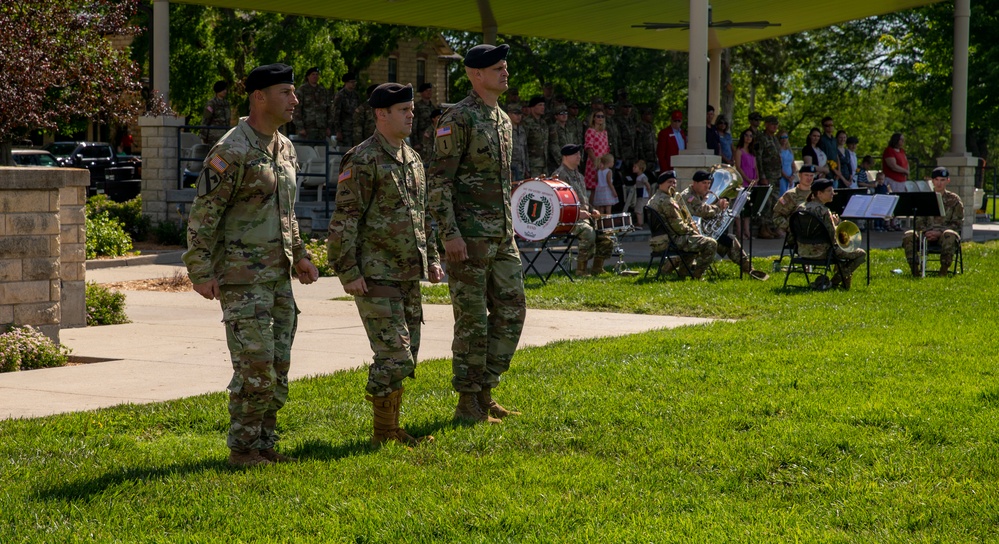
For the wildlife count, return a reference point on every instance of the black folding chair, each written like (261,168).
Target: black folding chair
(805,228)
(934,249)
(659,227)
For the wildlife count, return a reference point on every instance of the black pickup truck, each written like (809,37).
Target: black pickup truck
(119,176)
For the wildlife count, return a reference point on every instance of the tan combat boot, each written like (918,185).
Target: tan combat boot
(386,421)
(486,401)
(249,458)
(670,265)
(581,268)
(469,410)
(276,457)
(598,266)
(944,268)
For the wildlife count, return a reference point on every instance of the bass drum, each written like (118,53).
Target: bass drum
(543,207)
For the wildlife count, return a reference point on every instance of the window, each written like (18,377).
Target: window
(421,72)
(393,70)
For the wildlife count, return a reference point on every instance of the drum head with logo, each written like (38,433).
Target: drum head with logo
(537,208)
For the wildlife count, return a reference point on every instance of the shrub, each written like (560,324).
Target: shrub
(171,233)
(105,237)
(104,306)
(128,213)
(24,348)
(317,246)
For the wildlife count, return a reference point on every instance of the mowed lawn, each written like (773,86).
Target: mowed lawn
(862,416)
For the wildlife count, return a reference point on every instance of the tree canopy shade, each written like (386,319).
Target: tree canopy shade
(596,21)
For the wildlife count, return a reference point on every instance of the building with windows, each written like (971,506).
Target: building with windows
(414,61)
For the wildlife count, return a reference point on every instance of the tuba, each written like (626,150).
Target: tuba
(725,183)
(848,235)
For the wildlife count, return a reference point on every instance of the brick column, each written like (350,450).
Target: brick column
(73,255)
(30,247)
(159,163)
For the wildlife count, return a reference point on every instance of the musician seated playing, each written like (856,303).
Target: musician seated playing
(941,229)
(794,197)
(694,198)
(591,242)
(847,260)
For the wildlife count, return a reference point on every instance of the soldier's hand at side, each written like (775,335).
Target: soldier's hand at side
(455,250)
(356,287)
(584,215)
(306,271)
(932,235)
(209,289)
(435,274)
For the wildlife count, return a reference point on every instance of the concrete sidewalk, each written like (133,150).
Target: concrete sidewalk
(175,347)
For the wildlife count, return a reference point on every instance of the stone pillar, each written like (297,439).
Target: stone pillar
(73,255)
(30,247)
(161,49)
(959,95)
(159,163)
(714,79)
(962,182)
(686,165)
(697,70)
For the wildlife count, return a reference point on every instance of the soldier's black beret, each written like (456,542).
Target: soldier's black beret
(755,116)
(262,77)
(348,77)
(535,101)
(485,55)
(424,87)
(571,149)
(820,185)
(771,119)
(220,86)
(807,169)
(701,175)
(371,89)
(387,95)
(666,176)
(940,172)
(311,71)
(437,112)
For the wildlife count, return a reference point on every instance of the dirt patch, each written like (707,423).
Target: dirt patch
(178,283)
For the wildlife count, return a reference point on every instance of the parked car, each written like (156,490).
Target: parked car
(34,157)
(117,175)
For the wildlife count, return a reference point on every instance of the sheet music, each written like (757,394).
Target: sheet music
(870,206)
(857,206)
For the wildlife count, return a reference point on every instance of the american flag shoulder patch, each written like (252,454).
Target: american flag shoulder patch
(218,164)
(344,175)
(444,131)
(690,198)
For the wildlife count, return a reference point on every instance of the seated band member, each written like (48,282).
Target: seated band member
(944,229)
(685,232)
(584,231)
(693,198)
(822,194)
(794,197)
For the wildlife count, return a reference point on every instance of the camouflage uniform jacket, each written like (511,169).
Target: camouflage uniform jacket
(558,136)
(217,114)
(422,121)
(787,204)
(575,180)
(818,209)
(313,108)
(576,131)
(364,123)
(380,227)
(342,109)
(674,214)
(768,147)
(614,137)
(519,160)
(537,145)
(470,172)
(645,143)
(696,205)
(953,218)
(242,228)
(626,137)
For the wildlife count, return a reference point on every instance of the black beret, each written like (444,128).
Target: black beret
(220,86)
(311,71)
(424,87)
(771,119)
(755,116)
(535,101)
(821,185)
(571,149)
(348,77)
(666,176)
(371,89)
(437,112)
(262,77)
(807,169)
(701,175)
(387,95)
(485,55)
(940,172)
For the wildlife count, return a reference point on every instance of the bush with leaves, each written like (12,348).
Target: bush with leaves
(104,306)
(171,233)
(106,238)
(24,348)
(317,247)
(128,213)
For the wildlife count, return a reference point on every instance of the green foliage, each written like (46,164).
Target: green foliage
(106,237)
(104,306)
(128,213)
(317,247)
(171,233)
(24,348)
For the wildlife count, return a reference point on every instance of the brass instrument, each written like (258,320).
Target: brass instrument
(725,183)
(848,235)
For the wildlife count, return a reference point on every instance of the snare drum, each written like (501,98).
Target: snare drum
(619,222)
(544,207)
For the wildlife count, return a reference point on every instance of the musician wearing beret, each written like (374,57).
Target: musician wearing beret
(846,260)
(685,232)
(944,228)
(470,188)
(693,198)
(381,245)
(589,239)
(794,197)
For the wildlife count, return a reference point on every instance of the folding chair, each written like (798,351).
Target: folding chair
(808,229)
(659,227)
(933,248)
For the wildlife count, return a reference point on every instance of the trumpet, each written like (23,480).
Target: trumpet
(848,235)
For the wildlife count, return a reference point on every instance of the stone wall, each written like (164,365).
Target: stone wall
(39,207)
(160,171)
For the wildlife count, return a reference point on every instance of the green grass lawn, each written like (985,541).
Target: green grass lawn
(862,416)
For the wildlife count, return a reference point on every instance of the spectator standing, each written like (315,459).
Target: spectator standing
(518,159)
(671,141)
(596,145)
(843,173)
(645,139)
(217,114)
(313,106)
(811,153)
(643,191)
(537,137)
(895,164)
(724,139)
(711,134)
(768,162)
(559,135)
(787,177)
(745,164)
(827,142)
(605,196)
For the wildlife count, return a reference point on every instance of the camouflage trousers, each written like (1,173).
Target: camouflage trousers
(729,247)
(590,239)
(260,322)
(487,297)
(848,261)
(392,312)
(703,247)
(949,240)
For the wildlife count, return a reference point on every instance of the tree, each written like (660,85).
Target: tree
(56,64)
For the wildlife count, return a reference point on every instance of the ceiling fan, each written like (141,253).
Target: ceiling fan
(711,24)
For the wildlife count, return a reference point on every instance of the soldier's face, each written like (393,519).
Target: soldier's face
(572,161)
(805,178)
(279,102)
(940,184)
(427,94)
(701,187)
(398,119)
(495,78)
(825,196)
(313,78)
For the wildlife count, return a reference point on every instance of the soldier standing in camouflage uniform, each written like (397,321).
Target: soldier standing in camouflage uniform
(378,247)
(559,136)
(424,107)
(626,137)
(364,118)
(470,200)
(693,198)
(846,261)
(944,229)
(217,113)
(342,109)
(244,246)
(589,239)
(537,138)
(613,131)
(313,106)
(645,139)
(768,158)
(518,159)
(685,232)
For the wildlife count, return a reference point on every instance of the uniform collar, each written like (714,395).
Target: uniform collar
(254,140)
(391,150)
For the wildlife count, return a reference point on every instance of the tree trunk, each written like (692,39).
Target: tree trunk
(6,157)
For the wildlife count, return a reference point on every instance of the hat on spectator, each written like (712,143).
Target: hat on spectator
(220,86)
(771,119)
(535,101)
(820,185)
(486,55)
(701,175)
(666,176)
(677,115)
(387,95)
(262,77)
(571,149)
(807,169)
(852,140)
(755,116)
(940,172)
(515,108)
(348,77)
(424,87)
(311,71)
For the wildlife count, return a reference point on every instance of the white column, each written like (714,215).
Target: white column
(161,49)
(489,26)
(959,97)
(714,81)
(697,70)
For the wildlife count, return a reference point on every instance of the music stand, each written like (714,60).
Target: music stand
(843,196)
(758,196)
(920,204)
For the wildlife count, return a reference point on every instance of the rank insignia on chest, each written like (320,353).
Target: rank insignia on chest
(218,164)
(344,175)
